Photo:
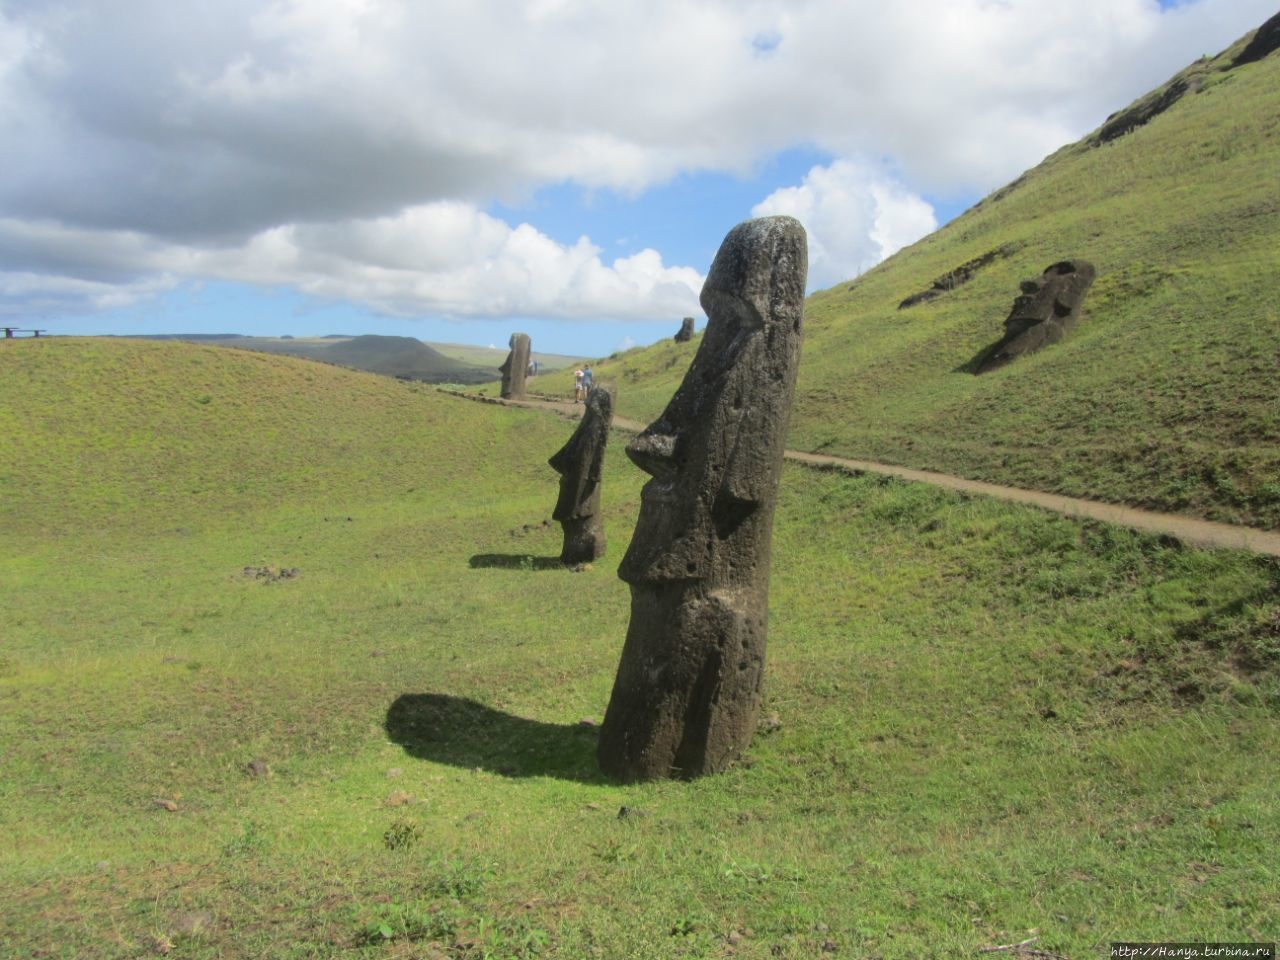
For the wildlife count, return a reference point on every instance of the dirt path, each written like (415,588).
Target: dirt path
(1201,533)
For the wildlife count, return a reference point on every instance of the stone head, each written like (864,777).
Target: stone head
(580,462)
(1052,297)
(714,454)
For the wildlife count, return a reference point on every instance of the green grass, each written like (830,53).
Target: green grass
(1164,397)
(990,720)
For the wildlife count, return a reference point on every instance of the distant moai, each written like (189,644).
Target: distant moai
(580,463)
(687,694)
(685,333)
(1048,308)
(516,367)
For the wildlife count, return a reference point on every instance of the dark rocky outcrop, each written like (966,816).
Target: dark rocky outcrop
(580,463)
(1265,42)
(955,278)
(687,695)
(1144,110)
(515,369)
(685,333)
(1048,308)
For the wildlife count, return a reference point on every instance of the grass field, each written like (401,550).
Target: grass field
(986,723)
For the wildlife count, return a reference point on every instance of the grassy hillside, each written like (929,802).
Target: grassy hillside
(1164,397)
(403,357)
(985,721)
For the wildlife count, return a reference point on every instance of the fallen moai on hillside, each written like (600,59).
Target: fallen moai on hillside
(1048,308)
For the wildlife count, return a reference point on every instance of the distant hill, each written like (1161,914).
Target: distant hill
(403,357)
(1166,395)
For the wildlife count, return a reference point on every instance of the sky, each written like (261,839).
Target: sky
(459,170)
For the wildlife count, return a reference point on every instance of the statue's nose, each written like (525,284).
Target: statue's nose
(654,453)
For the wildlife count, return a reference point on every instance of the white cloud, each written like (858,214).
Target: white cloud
(855,216)
(349,147)
(443,259)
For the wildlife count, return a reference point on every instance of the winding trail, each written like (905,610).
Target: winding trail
(1201,533)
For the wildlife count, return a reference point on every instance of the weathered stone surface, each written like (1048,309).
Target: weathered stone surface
(580,463)
(1265,41)
(688,690)
(955,278)
(516,367)
(1047,309)
(1144,110)
(685,333)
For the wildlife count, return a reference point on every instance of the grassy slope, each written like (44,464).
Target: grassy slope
(992,719)
(1164,397)
(392,356)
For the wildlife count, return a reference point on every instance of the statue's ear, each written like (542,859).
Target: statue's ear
(742,484)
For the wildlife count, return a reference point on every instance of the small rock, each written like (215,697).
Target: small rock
(395,772)
(257,769)
(398,798)
(165,804)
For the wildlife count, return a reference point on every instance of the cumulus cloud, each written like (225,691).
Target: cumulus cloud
(349,148)
(855,216)
(447,259)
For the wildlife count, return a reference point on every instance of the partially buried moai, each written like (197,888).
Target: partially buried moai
(687,695)
(516,367)
(1046,310)
(580,463)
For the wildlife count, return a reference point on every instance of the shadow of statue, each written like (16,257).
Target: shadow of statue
(979,360)
(514,561)
(463,733)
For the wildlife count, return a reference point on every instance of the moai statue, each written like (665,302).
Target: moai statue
(685,333)
(1046,311)
(687,694)
(515,368)
(580,463)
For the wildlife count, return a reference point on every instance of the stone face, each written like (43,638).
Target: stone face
(1047,310)
(516,367)
(685,333)
(687,694)
(580,463)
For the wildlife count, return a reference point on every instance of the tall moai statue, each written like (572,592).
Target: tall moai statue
(516,367)
(685,333)
(687,694)
(580,463)
(1045,311)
